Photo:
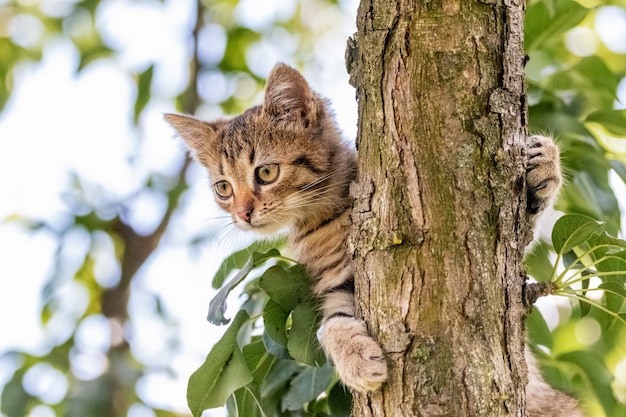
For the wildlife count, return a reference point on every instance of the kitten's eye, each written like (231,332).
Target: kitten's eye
(267,174)
(223,189)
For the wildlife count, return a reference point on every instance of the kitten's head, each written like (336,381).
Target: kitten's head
(277,165)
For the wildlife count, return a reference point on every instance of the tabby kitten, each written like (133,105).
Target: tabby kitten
(283,166)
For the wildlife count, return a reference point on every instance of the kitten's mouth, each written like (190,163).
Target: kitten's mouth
(243,225)
(261,228)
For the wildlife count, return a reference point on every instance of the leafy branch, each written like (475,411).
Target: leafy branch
(585,250)
(276,368)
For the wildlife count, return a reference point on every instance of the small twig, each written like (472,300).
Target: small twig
(532,291)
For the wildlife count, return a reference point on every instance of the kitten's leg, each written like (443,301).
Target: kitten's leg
(543,173)
(543,177)
(358,358)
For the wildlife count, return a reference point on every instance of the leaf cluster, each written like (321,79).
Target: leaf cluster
(590,267)
(268,362)
(584,251)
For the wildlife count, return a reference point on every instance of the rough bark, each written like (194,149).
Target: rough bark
(439,226)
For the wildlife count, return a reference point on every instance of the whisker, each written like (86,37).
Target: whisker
(217,218)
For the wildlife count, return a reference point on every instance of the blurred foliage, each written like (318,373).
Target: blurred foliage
(573,77)
(224,47)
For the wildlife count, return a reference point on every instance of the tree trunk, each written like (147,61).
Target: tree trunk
(439,218)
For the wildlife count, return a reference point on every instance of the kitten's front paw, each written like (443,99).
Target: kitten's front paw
(359,360)
(543,173)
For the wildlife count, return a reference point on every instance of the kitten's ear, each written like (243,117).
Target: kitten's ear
(197,134)
(288,97)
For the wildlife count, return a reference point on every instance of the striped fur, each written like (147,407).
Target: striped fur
(543,174)
(294,133)
(295,129)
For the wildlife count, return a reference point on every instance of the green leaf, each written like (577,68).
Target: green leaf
(340,401)
(589,191)
(144,86)
(89,5)
(258,359)
(537,261)
(590,74)
(275,348)
(586,196)
(247,401)
(233,262)
(239,40)
(287,287)
(595,73)
(584,306)
(317,407)
(543,24)
(614,297)
(244,403)
(610,255)
(614,263)
(614,242)
(238,259)
(223,372)
(595,375)
(217,306)
(275,322)
(571,261)
(307,386)
(14,398)
(547,116)
(92,51)
(303,344)
(278,377)
(538,330)
(613,120)
(572,230)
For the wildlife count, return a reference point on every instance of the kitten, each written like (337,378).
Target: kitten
(284,165)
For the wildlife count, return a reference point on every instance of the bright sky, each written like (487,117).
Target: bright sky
(57,122)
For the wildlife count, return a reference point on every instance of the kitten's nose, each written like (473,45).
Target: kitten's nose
(245,214)
(244,206)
